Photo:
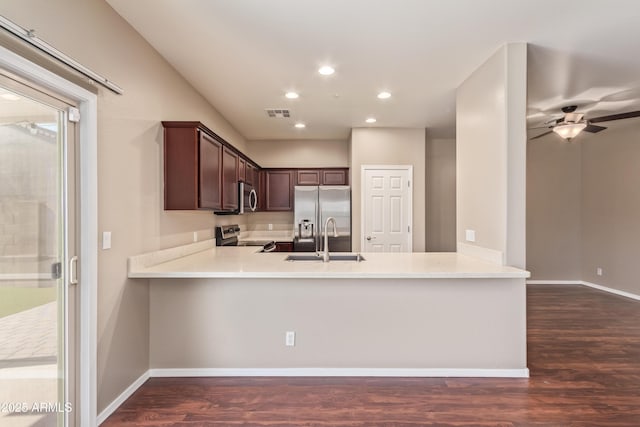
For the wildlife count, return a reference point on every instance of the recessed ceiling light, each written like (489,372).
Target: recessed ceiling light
(9,97)
(384,95)
(300,125)
(371,120)
(292,95)
(326,70)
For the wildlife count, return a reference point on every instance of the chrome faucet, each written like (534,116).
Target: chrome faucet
(325,253)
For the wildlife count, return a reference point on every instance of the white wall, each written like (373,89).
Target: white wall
(491,157)
(389,146)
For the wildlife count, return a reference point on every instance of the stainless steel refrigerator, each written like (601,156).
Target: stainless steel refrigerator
(312,206)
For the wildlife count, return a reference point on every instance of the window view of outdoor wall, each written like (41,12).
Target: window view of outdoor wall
(30,198)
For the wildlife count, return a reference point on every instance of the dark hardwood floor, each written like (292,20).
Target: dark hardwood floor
(583,354)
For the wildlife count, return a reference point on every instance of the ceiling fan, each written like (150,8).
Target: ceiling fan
(572,123)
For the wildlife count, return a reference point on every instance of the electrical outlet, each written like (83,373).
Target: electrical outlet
(290,338)
(599,271)
(195,236)
(470,235)
(270,227)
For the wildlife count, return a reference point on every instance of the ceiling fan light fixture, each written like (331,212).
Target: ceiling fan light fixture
(569,130)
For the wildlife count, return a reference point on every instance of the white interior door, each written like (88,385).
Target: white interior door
(386,208)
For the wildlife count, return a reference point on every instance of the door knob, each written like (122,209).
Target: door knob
(370,238)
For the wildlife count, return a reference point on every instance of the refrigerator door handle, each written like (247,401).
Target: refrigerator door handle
(319,223)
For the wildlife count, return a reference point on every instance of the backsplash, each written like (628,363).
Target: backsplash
(260,221)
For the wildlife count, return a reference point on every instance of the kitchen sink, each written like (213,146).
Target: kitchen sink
(332,257)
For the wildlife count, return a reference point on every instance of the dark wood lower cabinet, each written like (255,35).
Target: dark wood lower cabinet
(284,247)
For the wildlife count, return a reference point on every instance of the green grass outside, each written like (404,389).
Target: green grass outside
(15,300)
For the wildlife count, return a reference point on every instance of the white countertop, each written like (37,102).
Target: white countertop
(246,262)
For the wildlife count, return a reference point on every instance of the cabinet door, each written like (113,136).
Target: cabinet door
(210,173)
(308,177)
(335,177)
(229,180)
(242,170)
(250,175)
(284,247)
(279,190)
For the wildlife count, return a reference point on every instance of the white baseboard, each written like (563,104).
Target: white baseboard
(612,291)
(340,372)
(306,372)
(111,408)
(554,282)
(589,284)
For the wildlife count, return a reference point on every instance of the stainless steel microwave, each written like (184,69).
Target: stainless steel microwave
(247,198)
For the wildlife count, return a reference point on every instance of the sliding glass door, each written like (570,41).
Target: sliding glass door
(37,248)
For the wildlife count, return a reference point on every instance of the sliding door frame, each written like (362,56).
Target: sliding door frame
(87,203)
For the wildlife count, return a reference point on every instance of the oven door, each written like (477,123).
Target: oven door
(248,198)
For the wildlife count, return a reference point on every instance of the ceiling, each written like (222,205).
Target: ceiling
(243,55)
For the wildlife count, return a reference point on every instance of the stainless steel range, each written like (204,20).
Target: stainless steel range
(229,235)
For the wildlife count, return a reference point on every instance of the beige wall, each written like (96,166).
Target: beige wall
(299,153)
(611,205)
(491,155)
(129,170)
(554,212)
(440,173)
(389,146)
(583,207)
(385,323)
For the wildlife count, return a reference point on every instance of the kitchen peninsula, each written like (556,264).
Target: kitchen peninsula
(225,311)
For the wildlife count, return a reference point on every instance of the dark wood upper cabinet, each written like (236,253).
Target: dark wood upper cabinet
(335,176)
(308,177)
(192,169)
(251,175)
(202,170)
(242,169)
(210,184)
(278,192)
(229,180)
(324,176)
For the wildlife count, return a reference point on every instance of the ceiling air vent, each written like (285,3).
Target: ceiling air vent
(278,113)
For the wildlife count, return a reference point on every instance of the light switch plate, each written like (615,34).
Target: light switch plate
(106,240)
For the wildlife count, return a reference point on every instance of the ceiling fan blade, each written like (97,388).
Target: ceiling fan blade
(612,117)
(593,128)
(541,135)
